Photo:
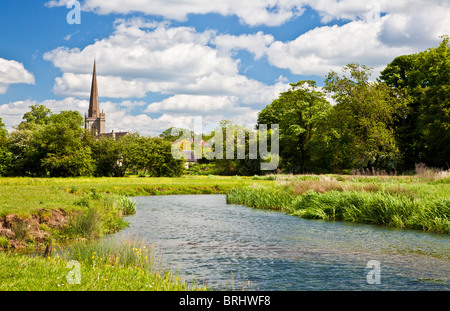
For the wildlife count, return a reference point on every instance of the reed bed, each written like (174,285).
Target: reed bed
(404,206)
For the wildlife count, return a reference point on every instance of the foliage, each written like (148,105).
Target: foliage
(360,126)
(229,149)
(297,112)
(424,129)
(56,145)
(5,156)
(422,206)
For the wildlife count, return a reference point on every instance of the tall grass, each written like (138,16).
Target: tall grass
(377,206)
(105,265)
(273,198)
(100,214)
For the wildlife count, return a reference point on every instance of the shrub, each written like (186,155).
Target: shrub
(4,242)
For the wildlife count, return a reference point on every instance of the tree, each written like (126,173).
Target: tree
(60,142)
(424,130)
(39,114)
(135,153)
(5,156)
(361,124)
(168,134)
(3,133)
(298,112)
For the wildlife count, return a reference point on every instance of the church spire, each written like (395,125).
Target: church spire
(94,109)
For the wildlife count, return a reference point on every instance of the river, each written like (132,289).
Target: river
(229,246)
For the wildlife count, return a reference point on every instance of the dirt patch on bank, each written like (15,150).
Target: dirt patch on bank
(33,230)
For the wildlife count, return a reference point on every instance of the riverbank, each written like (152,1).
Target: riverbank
(35,211)
(404,202)
(90,266)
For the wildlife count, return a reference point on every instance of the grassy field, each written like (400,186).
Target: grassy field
(35,211)
(26,195)
(90,266)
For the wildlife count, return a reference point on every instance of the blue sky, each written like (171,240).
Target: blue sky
(159,63)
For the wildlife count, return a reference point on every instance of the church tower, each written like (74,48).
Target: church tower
(94,121)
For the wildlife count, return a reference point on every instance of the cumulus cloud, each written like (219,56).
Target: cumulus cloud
(142,57)
(117,116)
(12,113)
(376,33)
(12,72)
(262,12)
(253,43)
(195,103)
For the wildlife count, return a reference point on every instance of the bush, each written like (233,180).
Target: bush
(4,242)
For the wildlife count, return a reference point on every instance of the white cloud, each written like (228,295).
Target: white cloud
(142,57)
(12,72)
(253,43)
(262,12)
(322,49)
(406,28)
(194,103)
(12,113)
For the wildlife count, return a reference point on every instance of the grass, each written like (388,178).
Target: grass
(104,265)
(26,195)
(397,202)
(95,207)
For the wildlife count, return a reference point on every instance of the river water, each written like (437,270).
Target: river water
(229,246)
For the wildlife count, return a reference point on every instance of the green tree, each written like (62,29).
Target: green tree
(61,144)
(134,153)
(5,155)
(424,130)
(361,124)
(39,114)
(3,133)
(298,112)
(168,134)
(107,155)
(233,149)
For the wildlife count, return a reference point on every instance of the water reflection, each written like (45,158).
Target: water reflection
(202,237)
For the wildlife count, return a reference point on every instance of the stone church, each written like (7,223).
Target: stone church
(94,120)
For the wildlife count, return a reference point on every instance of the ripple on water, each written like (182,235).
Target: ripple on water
(202,237)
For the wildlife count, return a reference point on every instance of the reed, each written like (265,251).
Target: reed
(353,203)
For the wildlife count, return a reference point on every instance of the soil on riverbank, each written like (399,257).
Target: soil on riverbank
(18,232)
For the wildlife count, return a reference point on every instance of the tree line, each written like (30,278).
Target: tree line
(391,124)
(56,145)
(400,119)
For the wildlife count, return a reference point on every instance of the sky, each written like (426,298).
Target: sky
(162,63)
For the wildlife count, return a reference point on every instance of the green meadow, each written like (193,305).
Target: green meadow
(73,213)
